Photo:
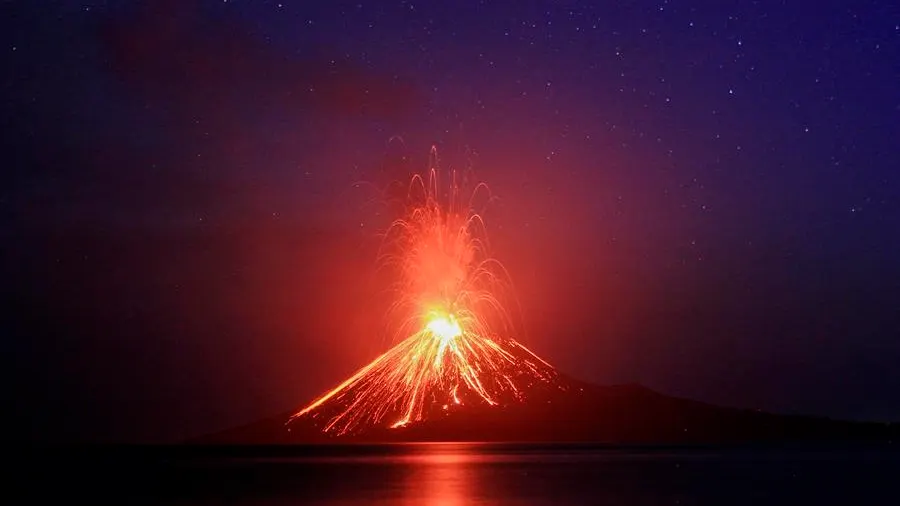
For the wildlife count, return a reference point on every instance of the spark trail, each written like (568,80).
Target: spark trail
(454,337)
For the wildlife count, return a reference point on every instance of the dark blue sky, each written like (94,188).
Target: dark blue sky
(703,197)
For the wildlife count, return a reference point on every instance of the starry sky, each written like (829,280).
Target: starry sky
(702,197)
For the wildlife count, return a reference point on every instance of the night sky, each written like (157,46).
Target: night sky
(702,197)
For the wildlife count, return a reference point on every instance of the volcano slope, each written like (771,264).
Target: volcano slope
(565,410)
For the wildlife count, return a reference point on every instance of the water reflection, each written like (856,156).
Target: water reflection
(451,474)
(441,476)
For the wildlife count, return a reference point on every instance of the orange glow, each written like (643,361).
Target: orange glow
(454,336)
(441,476)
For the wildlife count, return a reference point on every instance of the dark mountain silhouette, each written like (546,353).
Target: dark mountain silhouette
(584,413)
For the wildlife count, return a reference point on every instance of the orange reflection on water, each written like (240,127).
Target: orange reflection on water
(443,476)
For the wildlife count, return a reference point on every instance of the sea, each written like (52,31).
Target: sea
(451,474)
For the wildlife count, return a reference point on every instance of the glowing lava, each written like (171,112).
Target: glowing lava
(455,339)
(444,328)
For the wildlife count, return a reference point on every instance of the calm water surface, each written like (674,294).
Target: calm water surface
(457,474)
(480,474)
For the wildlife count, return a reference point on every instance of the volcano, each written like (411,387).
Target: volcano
(456,371)
(453,330)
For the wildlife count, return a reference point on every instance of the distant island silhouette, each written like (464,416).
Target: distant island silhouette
(580,413)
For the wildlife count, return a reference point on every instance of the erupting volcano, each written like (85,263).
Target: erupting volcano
(455,338)
(457,372)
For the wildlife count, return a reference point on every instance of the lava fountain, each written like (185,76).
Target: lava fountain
(454,336)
